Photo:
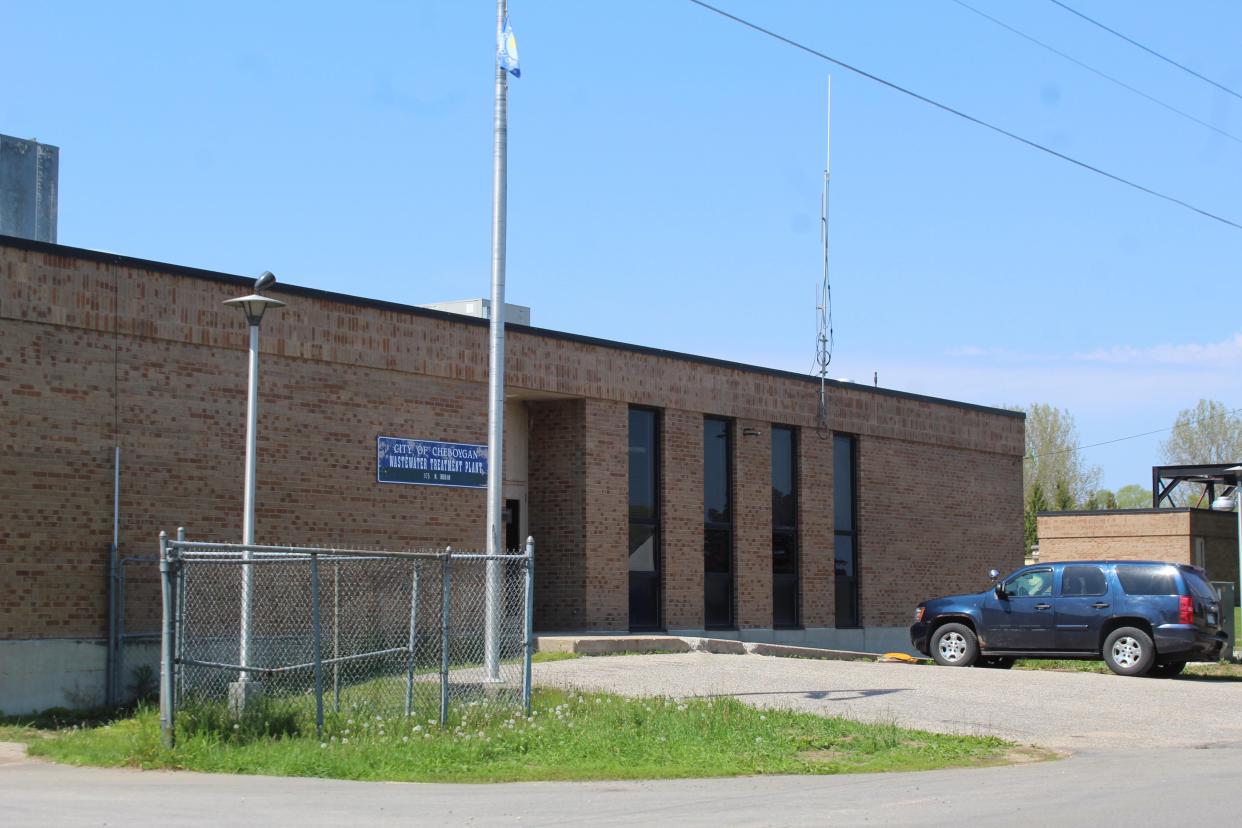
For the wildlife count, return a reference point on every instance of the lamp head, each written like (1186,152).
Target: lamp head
(254,306)
(266,279)
(1223,503)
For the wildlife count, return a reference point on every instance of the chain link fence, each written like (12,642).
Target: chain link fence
(322,632)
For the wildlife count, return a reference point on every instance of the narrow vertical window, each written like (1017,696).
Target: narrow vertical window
(845,514)
(717,523)
(644,519)
(784,527)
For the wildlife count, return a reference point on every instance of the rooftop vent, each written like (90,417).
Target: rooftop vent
(482,309)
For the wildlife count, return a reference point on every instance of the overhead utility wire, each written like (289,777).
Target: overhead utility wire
(1042,455)
(1147,49)
(971,118)
(1103,75)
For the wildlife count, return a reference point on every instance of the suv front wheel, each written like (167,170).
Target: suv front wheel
(955,645)
(1128,651)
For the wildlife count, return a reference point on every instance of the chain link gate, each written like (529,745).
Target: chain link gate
(324,631)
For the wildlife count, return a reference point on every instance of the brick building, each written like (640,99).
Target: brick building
(664,491)
(1200,537)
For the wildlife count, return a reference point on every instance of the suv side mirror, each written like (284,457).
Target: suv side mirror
(1000,592)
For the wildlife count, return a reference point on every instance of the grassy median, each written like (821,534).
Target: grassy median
(569,736)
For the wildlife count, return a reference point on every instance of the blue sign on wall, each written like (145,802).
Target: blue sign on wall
(430,463)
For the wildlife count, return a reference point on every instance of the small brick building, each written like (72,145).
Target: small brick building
(664,491)
(1200,537)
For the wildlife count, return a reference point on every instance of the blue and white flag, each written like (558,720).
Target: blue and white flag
(507,52)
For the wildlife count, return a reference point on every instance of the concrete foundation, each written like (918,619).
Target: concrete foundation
(36,674)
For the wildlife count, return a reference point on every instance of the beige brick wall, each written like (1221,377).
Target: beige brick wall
(752,524)
(88,341)
(681,518)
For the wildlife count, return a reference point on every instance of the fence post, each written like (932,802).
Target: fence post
(413,644)
(167,734)
(179,626)
(446,588)
(317,643)
(336,637)
(529,610)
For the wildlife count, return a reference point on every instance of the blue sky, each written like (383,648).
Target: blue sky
(665,167)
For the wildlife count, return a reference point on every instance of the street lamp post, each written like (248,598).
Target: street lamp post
(253,306)
(1234,502)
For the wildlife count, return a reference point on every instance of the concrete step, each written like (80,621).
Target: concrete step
(599,645)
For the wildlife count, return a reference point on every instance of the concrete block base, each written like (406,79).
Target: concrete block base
(243,696)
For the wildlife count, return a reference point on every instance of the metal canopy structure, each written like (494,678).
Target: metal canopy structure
(1166,479)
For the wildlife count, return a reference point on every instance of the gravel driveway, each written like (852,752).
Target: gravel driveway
(1065,711)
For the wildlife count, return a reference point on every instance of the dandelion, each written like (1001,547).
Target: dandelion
(405,739)
(417,728)
(344,741)
(236,727)
(762,718)
(323,744)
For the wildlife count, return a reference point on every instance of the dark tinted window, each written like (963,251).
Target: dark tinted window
(1083,580)
(784,503)
(642,464)
(1199,586)
(842,482)
(1148,580)
(716,448)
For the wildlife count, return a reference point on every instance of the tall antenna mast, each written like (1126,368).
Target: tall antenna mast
(823,298)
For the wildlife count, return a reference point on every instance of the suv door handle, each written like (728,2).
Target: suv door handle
(1100,605)
(1043,606)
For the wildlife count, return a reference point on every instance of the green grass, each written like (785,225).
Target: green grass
(538,658)
(572,736)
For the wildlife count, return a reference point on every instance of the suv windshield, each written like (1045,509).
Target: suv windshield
(1157,579)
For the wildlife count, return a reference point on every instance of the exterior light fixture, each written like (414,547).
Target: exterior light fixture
(254,306)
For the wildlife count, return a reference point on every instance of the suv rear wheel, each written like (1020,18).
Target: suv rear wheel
(1128,651)
(955,645)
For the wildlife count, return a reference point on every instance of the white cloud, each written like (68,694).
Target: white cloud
(1228,350)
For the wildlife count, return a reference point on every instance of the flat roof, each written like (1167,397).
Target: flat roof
(414,310)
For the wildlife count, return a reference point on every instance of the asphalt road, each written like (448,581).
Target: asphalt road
(1142,752)
(1164,786)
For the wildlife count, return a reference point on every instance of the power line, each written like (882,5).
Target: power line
(1032,457)
(977,121)
(1147,49)
(1103,75)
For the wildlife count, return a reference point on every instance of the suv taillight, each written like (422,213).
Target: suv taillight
(1185,610)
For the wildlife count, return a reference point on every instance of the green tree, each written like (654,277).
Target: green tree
(1034,503)
(1133,496)
(1102,499)
(1062,498)
(1052,455)
(1207,434)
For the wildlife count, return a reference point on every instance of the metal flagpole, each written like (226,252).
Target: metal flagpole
(496,360)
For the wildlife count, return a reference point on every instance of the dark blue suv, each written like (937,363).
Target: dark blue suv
(1141,617)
